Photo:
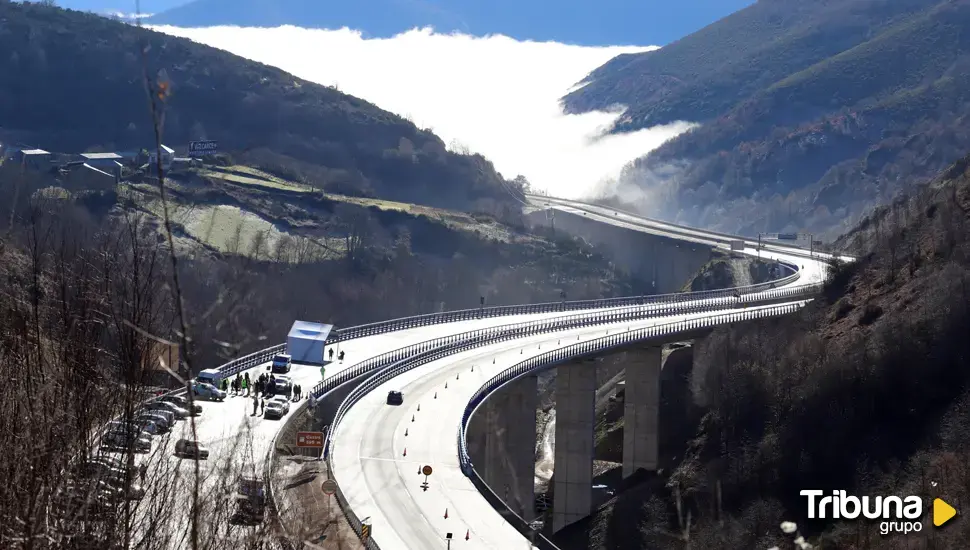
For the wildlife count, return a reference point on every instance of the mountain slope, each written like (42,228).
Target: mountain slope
(866,390)
(808,120)
(74,81)
(610,22)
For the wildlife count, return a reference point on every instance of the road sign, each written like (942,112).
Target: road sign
(206,147)
(426,470)
(364,531)
(309,439)
(329,486)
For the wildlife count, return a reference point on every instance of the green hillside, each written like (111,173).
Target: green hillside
(73,81)
(808,120)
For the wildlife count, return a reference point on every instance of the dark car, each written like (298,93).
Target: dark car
(394,398)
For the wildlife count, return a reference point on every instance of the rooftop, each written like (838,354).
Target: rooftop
(34,152)
(310,331)
(101,156)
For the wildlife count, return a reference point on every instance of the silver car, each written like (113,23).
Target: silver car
(179,412)
(182,402)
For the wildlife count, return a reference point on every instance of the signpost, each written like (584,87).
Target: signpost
(202,148)
(329,487)
(312,440)
(427,472)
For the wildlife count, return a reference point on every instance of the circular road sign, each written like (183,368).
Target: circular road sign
(426,470)
(329,486)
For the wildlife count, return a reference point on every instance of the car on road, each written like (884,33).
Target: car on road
(179,412)
(208,391)
(282,384)
(183,402)
(275,409)
(394,397)
(281,364)
(189,448)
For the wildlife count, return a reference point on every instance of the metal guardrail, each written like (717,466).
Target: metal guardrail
(570,353)
(498,333)
(552,307)
(425,352)
(643,221)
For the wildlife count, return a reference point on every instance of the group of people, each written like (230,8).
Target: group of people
(239,384)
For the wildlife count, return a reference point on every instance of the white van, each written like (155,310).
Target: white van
(281,363)
(211,376)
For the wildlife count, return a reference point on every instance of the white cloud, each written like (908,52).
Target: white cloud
(495,95)
(123,15)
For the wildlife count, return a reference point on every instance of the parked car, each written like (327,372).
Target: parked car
(394,397)
(281,363)
(99,470)
(162,423)
(191,449)
(277,407)
(282,384)
(250,501)
(179,412)
(183,402)
(123,440)
(163,414)
(208,391)
(147,426)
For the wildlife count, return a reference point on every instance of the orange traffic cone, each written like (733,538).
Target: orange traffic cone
(446,513)
(467,534)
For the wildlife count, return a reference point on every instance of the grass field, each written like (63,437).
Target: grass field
(245,175)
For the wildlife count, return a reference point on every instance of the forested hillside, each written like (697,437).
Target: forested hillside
(811,112)
(866,390)
(74,81)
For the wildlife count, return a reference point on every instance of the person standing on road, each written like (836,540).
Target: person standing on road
(331,354)
(246,385)
(262,407)
(255,405)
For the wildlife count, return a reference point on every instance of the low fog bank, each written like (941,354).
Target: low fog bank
(491,95)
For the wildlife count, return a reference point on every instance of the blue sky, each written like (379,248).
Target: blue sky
(585,22)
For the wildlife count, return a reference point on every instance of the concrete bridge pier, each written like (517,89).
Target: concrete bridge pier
(575,422)
(641,410)
(510,439)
